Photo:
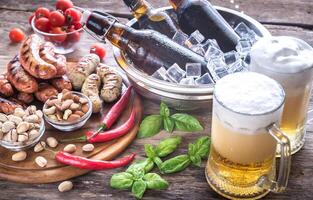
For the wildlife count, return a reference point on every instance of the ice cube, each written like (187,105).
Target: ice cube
(252,37)
(175,73)
(243,47)
(160,74)
(208,43)
(187,81)
(238,66)
(204,80)
(198,49)
(217,68)
(194,39)
(231,57)
(193,70)
(180,37)
(213,53)
(246,33)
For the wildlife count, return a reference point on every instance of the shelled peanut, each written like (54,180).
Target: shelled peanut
(21,127)
(66,106)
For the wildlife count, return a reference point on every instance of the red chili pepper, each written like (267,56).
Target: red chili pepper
(107,135)
(116,109)
(85,163)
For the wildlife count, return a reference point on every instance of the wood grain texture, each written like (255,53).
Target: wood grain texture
(190,184)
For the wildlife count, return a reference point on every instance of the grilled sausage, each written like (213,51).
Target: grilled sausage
(31,60)
(91,89)
(6,88)
(61,83)
(8,107)
(45,91)
(112,83)
(85,66)
(25,97)
(19,78)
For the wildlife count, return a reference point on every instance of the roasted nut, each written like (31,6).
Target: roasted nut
(41,161)
(40,146)
(22,137)
(76,98)
(49,111)
(14,136)
(19,112)
(31,109)
(85,108)
(33,134)
(66,104)
(3,117)
(74,106)
(19,156)
(70,148)
(80,113)
(83,100)
(65,186)
(59,115)
(15,119)
(32,118)
(22,127)
(52,142)
(34,126)
(53,117)
(67,113)
(1,135)
(88,147)
(67,95)
(60,96)
(7,137)
(73,118)
(7,126)
(39,113)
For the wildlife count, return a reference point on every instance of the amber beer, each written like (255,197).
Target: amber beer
(289,61)
(241,164)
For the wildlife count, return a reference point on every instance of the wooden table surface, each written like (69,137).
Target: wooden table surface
(281,17)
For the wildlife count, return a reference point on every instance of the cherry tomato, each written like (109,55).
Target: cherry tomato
(30,18)
(16,35)
(58,38)
(98,48)
(77,25)
(63,4)
(72,15)
(43,24)
(42,12)
(56,18)
(73,36)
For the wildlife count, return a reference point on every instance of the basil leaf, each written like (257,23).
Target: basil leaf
(149,150)
(164,110)
(123,180)
(157,161)
(154,181)
(146,164)
(200,147)
(175,164)
(168,146)
(139,188)
(196,160)
(150,126)
(169,124)
(185,122)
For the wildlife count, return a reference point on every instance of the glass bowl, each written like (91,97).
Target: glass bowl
(20,146)
(64,43)
(70,126)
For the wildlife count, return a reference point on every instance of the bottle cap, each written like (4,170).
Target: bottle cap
(85,17)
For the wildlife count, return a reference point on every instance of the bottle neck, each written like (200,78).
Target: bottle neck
(140,8)
(176,3)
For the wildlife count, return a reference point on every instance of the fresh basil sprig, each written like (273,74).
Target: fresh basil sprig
(153,124)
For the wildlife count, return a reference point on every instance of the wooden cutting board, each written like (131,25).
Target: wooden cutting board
(28,172)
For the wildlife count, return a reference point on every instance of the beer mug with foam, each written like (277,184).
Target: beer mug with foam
(289,61)
(247,109)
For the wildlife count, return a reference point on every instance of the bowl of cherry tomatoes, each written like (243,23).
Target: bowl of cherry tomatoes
(61,26)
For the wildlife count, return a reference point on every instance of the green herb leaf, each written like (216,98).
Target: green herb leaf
(139,188)
(175,164)
(164,110)
(154,181)
(123,180)
(168,146)
(150,126)
(196,160)
(185,122)
(146,164)
(157,161)
(169,124)
(200,147)
(149,150)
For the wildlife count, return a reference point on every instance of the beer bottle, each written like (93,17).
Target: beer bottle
(150,18)
(201,15)
(147,49)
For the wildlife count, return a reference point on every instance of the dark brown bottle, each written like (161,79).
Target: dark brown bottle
(201,15)
(147,49)
(150,18)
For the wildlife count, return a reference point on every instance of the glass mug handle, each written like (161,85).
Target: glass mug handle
(285,160)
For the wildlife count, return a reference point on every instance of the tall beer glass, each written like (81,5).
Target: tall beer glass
(247,108)
(290,62)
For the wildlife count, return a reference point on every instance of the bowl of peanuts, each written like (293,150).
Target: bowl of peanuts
(68,110)
(22,129)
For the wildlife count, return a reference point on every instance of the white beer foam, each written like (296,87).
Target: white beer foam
(282,54)
(250,101)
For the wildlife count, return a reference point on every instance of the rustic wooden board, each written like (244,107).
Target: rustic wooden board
(28,172)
